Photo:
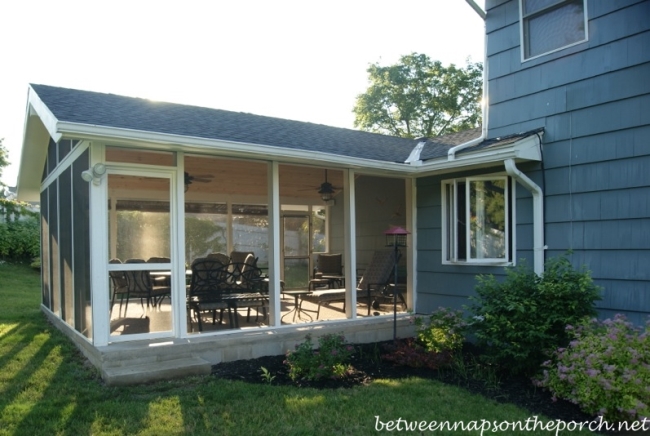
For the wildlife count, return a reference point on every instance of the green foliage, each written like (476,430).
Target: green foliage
(19,231)
(442,331)
(521,320)
(266,375)
(605,369)
(329,361)
(4,162)
(438,336)
(419,97)
(203,236)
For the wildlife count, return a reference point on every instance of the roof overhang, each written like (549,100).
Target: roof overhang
(41,124)
(522,150)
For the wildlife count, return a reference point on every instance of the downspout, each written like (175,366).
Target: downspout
(538,213)
(451,154)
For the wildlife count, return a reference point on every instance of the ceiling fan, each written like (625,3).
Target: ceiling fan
(326,189)
(189,179)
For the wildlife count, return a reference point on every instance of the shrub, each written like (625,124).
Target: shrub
(605,369)
(329,361)
(521,320)
(443,331)
(19,231)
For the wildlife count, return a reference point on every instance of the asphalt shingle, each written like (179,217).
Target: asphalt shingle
(109,110)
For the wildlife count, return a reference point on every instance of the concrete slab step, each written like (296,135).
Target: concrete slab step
(155,371)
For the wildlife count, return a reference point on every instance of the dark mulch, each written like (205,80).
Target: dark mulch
(368,366)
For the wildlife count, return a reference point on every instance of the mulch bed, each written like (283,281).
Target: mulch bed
(368,366)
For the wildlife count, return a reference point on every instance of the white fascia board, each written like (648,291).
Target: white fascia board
(35,106)
(39,123)
(526,149)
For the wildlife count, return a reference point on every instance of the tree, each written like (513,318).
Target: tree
(420,98)
(4,162)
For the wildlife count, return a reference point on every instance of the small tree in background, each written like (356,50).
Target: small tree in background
(4,162)
(418,97)
(19,226)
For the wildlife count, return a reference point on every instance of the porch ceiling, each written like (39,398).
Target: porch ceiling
(228,177)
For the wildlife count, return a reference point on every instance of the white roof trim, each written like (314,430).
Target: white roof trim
(35,106)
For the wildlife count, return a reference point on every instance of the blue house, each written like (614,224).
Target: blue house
(134,187)
(578,72)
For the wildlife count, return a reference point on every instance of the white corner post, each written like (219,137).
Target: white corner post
(99,252)
(411,244)
(538,213)
(350,236)
(273,185)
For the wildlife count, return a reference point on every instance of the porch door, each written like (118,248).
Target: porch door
(296,250)
(140,252)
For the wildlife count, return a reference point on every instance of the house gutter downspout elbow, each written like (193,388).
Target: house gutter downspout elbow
(538,213)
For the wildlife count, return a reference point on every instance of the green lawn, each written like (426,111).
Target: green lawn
(46,388)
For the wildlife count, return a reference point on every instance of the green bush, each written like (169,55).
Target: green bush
(19,233)
(442,331)
(605,369)
(521,320)
(329,361)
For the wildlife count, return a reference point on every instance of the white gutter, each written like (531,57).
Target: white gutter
(451,154)
(538,214)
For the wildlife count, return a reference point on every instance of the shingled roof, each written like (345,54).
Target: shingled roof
(115,111)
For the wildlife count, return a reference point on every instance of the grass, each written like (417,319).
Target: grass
(46,388)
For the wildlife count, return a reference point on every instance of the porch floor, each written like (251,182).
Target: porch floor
(141,319)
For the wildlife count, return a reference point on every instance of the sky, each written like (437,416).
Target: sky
(301,60)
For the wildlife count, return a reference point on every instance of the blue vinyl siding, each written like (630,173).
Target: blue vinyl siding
(593,101)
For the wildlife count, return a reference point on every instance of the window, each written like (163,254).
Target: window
(550,25)
(477,220)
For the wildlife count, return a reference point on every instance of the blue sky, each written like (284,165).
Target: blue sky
(301,60)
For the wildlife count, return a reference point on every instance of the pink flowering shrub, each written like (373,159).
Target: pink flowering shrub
(329,361)
(605,369)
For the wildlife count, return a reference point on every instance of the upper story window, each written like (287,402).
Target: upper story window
(550,25)
(478,220)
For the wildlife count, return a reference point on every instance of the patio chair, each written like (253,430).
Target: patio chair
(372,285)
(221,257)
(141,285)
(241,256)
(328,272)
(120,287)
(250,286)
(205,292)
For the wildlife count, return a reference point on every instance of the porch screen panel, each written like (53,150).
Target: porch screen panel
(65,246)
(206,229)
(139,216)
(81,245)
(250,227)
(55,276)
(45,251)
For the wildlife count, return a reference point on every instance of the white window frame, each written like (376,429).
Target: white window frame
(524,37)
(450,223)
